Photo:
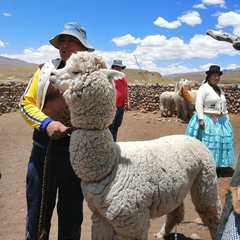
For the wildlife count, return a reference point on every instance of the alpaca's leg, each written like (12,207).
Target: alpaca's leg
(178,109)
(133,227)
(168,109)
(162,108)
(165,110)
(185,111)
(101,229)
(120,228)
(205,198)
(210,217)
(172,219)
(173,109)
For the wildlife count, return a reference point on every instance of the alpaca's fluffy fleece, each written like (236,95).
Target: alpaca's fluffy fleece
(169,102)
(75,81)
(166,104)
(127,183)
(189,97)
(182,107)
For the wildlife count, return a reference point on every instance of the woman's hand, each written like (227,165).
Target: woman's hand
(201,124)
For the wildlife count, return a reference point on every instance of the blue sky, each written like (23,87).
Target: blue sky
(166,36)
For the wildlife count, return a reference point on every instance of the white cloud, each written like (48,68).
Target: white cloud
(200,6)
(2,44)
(221,3)
(203,46)
(37,56)
(160,48)
(163,23)
(151,52)
(125,40)
(232,66)
(231,19)
(155,49)
(176,68)
(7,14)
(191,18)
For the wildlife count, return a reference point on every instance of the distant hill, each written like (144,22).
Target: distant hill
(144,76)
(4,61)
(15,69)
(229,77)
(135,76)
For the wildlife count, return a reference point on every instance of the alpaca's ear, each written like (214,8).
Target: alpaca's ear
(113,74)
(99,62)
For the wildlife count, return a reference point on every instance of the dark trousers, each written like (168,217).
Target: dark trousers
(63,182)
(117,121)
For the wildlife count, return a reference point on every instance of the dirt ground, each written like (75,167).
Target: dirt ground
(15,146)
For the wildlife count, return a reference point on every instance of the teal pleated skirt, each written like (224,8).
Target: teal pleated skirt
(218,136)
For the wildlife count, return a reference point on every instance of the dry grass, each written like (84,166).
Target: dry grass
(13,73)
(135,76)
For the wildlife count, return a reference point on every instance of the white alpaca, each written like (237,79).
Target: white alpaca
(182,107)
(166,104)
(127,183)
(169,101)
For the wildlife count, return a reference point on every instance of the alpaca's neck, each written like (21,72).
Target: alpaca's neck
(93,153)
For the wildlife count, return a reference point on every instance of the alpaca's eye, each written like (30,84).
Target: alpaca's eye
(75,73)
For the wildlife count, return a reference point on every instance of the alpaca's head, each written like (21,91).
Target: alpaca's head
(81,63)
(88,89)
(183,82)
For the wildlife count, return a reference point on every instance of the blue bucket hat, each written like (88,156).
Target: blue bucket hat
(76,30)
(118,63)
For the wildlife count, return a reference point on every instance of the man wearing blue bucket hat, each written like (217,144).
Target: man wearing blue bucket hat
(44,109)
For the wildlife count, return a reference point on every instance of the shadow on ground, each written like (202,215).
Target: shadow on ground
(223,172)
(178,236)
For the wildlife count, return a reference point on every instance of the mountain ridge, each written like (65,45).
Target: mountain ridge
(4,61)
(15,69)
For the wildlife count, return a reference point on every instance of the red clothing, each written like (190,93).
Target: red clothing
(121,91)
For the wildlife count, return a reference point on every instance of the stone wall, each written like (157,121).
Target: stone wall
(143,96)
(147,96)
(10,93)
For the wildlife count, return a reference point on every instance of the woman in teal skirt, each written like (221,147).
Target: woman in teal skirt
(210,123)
